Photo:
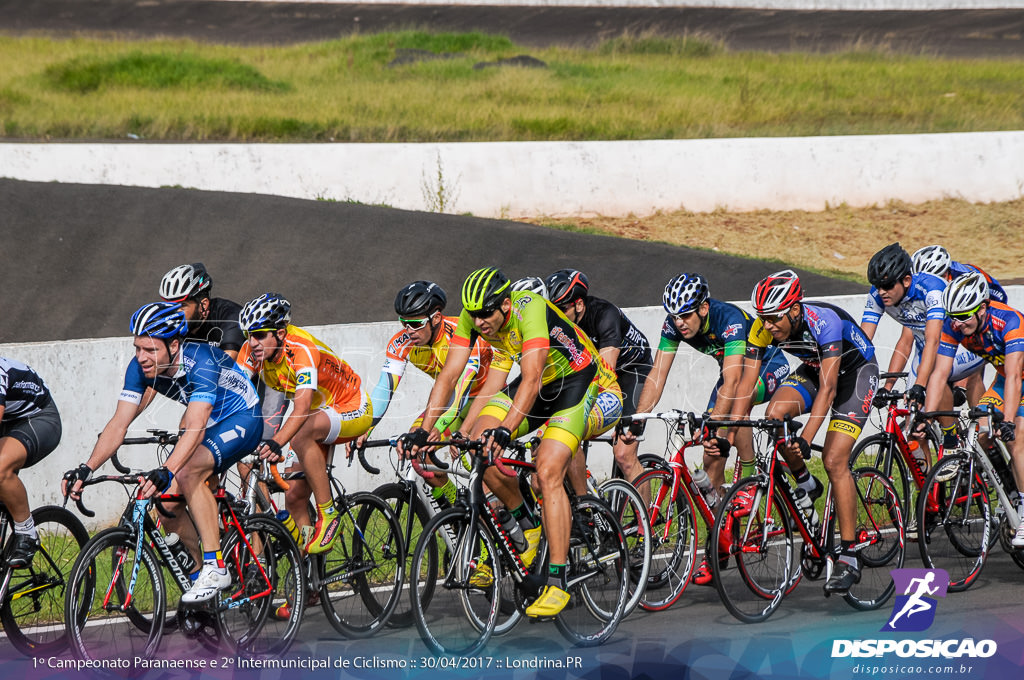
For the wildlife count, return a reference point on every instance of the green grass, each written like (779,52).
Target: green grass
(635,87)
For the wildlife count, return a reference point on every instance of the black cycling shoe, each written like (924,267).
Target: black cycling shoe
(843,578)
(23,549)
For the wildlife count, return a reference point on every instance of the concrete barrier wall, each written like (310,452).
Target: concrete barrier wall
(505,179)
(755,4)
(85,377)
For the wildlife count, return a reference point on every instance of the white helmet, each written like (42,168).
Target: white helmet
(931,260)
(184,282)
(534,284)
(965,293)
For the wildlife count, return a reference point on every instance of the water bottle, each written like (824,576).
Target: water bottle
(510,525)
(285,518)
(180,552)
(806,506)
(707,489)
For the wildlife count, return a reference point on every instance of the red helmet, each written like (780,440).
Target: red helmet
(777,292)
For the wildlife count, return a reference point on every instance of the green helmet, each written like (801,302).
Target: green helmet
(484,289)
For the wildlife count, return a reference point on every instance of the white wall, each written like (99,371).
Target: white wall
(757,4)
(509,179)
(85,377)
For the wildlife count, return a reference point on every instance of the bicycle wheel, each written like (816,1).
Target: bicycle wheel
(673,540)
(953,520)
(411,518)
(267,572)
(631,511)
(32,611)
(597,575)
(361,577)
(881,539)
(879,451)
(460,616)
(105,619)
(753,543)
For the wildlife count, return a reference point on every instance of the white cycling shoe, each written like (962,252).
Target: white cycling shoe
(210,582)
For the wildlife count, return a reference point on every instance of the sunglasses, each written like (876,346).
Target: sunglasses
(773,319)
(964,316)
(414,324)
(482,313)
(682,316)
(260,334)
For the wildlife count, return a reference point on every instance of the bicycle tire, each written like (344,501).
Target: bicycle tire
(361,576)
(96,631)
(880,524)
(879,451)
(32,610)
(753,541)
(460,617)
(673,539)
(267,571)
(629,507)
(411,518)
(953,522)
(597,575)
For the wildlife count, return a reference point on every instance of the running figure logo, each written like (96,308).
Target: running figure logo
(914,610)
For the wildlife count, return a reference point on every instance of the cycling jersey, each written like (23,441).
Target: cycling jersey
(534,324)
(995,289)
(307,363)
(220,327)
(921,303)
(401,352)
(823,331)
(1002,333)
(22,392)
(607,326)
(205,374)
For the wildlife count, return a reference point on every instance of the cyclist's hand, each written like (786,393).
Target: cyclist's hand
(410,443)
(357,443)
(800,446)
(629,430)
(881,398)
(717,446)
(71,484)
(155,481)
(496,439)
(916,393)
(270,450)
(1007,431)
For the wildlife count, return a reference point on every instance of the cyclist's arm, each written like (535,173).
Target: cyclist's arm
(233,353)
(869,328)
(462,387)
(110,438)
(531,369)
(380,397)
(193,423)
(496,379)
(743,402)
(873,309)
(732,377)
(932,335)
(654,386)
(610,355)
(827,383)
(302,407)
(900,355)
(1012,386)
(444,384)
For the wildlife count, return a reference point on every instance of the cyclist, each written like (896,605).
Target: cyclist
(533,284)
(221,424)
(619,342)
(835,383)
(210,320)
(425,342)
(914,300)
(718,329)
(995,332)
(937,260)
(329,407)
(563,381)
(30,430)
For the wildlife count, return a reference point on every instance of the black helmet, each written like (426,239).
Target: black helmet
(567,285)
(420,298)
(888,266)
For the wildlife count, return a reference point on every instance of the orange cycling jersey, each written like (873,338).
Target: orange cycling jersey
(431,359)
(307,363)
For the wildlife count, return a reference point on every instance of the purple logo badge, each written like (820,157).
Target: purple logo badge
(914,609)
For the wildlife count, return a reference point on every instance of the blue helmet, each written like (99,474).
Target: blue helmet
(269,311)
(685,293)
(164,320)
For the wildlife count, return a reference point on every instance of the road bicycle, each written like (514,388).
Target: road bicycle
(968,502)
(758,560)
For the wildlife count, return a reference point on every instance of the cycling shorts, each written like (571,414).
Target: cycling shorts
(994,396)
(348,424)
(965,364)
(39,434)
(854,392)
(631,382)
(233,438)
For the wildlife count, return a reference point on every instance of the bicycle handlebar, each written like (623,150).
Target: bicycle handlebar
(126,480)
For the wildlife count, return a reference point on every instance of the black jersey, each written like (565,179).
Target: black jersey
(607,326)
(22,392)
(220,328)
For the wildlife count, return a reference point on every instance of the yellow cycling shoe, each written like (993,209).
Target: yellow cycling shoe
(533,540)
(550,601)
(325,533)
(482,577)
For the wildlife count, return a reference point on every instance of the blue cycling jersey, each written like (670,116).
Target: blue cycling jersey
(822,331)
(920,304)
(205,374)
(995,289)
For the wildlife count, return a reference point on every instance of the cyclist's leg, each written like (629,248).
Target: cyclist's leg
(12,491)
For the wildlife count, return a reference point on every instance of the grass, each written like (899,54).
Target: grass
(634,87)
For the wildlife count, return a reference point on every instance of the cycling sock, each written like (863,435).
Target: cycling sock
(949,440)
(747,468)
(27,527)
(804,480)
(446,491)
(848,554)
(524,516)
(556,575)
(326,509)
(214,559)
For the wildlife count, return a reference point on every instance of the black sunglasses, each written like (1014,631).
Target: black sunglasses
(482,313)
